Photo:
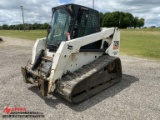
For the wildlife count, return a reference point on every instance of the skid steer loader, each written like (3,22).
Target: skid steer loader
(77,59)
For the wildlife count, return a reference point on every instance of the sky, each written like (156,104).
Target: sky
(39,11)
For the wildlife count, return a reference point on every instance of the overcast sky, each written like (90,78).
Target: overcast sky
(40,10)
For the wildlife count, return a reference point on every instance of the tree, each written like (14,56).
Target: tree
(106,22)
(11,27)
(135,21)
(44,26)
(140,23)
(101,18)
(19,27)
(111,19)
(5,27)
(27,26)
(128,20)
(121,20)
(35,26)
(117,19)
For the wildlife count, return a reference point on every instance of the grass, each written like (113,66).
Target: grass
(32,34)
(142,43)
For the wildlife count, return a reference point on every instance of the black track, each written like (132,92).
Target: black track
(90,79)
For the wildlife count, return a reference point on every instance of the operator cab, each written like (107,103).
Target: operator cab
(73,20)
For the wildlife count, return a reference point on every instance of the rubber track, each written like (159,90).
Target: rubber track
(69,81)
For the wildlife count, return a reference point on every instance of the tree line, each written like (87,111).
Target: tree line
(109,19)
(34,26)
(121,20)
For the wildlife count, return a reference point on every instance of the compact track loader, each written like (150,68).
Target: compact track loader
(77,59)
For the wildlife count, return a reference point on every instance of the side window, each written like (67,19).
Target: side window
(81,22)
(87,23)
(92,24)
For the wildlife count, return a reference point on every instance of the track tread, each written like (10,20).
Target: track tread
(70,80)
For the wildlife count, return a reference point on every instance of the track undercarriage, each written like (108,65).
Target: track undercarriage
(90,79)
(84,82)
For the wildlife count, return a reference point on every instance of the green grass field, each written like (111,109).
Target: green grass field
(142,43)
(32,34)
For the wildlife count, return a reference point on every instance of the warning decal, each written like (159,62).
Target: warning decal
(116,45)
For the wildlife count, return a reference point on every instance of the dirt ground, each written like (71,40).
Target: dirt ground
(136,97)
